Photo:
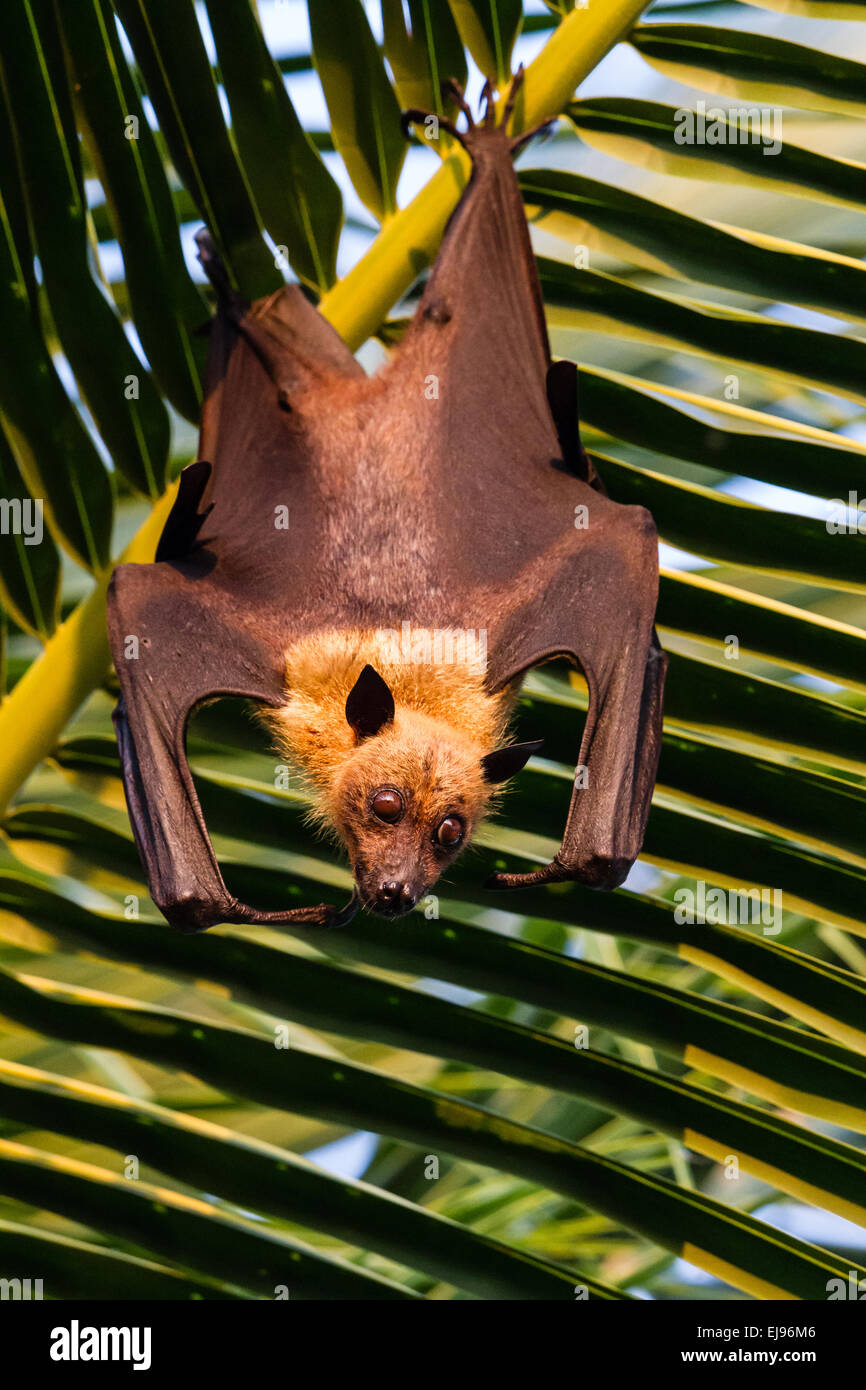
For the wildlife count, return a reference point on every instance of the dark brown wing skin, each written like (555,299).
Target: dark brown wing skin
(214,615)
(443,492)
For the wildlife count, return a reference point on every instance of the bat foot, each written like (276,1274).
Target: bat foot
(214,268)
(471,137)
(416,116)
(451,90)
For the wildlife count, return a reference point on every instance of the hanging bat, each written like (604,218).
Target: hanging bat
(337,527)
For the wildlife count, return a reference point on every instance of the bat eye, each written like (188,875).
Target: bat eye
(388,806)
(449,832)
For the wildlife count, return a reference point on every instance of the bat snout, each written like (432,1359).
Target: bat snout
(394,899)
(387,891)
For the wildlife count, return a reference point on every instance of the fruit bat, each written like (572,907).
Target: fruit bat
(336,526)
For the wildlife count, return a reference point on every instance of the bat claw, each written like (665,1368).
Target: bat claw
(452,88)
(341,916)
(488,97)
(543,127)
(517,141)
(516,84)
(452,91)
(416,116)
(214,268)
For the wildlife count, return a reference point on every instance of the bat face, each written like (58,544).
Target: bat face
(406,805)
(411,793)
(406,797)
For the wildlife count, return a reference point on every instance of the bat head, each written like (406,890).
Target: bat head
(410,795)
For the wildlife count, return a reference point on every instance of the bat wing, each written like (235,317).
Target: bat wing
(214,615)
(266,363)
(591,598)
(178,640)
(539,554)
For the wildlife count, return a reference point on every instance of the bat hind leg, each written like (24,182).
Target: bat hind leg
(450,89)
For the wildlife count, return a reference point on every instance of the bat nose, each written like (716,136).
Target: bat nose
(396,897)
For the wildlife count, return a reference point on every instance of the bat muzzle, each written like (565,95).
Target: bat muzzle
(394,899)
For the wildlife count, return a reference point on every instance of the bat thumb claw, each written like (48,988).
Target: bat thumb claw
(341,916)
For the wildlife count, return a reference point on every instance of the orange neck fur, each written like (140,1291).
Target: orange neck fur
(442,707)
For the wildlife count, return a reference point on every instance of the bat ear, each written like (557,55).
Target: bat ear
(370,705)
(503,763)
